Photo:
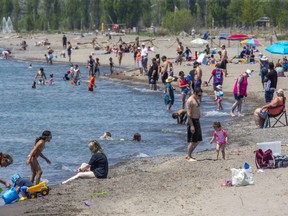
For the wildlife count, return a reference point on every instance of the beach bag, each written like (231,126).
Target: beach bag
(264,159)
(281,161)
(242,177)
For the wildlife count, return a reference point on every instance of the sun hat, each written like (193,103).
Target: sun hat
(264,58)
(280,91)
(143,44)
(248,72)
(219,87)
(14,178)
(169,79)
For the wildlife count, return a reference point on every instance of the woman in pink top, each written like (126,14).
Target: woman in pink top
(221,139)
(239,91)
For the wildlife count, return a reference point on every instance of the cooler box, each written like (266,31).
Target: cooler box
(275,146)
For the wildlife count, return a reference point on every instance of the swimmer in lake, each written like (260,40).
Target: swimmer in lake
(40,76)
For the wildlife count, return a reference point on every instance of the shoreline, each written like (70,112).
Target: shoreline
(169,185)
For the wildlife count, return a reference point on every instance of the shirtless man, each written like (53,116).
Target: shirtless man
(40,76)
(197,75)
(164,69)
(181,116)
(194,133)
(224,60)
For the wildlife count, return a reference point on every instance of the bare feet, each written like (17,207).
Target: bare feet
(240,114)
(232,114)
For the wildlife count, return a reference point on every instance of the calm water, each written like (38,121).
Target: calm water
(76,116)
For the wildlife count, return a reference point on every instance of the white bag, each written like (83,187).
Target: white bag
(267,85)
(242,177)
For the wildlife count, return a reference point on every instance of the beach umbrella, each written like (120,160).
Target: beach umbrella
(199,42)
(280,47)
(238,37)
(251,42)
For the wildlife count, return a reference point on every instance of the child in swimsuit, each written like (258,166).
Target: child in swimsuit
(35,153)
(51,80)
(97,69)
(219,97)
(220,135)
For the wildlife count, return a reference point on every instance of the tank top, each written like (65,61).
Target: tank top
(183,82)
(278,109)
(243,86)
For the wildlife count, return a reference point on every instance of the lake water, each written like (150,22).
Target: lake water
(76,116)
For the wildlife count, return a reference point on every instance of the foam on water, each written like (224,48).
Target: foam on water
(215,113)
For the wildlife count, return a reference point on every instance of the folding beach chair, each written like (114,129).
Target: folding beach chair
(277,118)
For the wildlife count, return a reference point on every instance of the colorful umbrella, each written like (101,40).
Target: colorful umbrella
(278,48)
(251,42)
(238,37)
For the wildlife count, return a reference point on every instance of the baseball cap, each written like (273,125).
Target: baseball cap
(248,72)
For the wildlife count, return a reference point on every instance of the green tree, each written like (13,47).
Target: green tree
(218,10)
(234,11)
(174,21)
(251,11)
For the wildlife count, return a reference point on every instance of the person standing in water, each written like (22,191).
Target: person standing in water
(40,76)
(39,146)
(90,66)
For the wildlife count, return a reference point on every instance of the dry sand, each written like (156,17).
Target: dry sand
(167,185)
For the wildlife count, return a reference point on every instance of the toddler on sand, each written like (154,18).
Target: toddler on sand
(220,135)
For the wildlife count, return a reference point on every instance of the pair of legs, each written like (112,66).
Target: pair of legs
(237,105)
(220,148)
(191,148)
(269,95)
(259,118)
(90,71)
(193,138)
(219,104)
(84,173)
(36,171)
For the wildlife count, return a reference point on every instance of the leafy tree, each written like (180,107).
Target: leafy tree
(251,11)
(218,10)
(174,21)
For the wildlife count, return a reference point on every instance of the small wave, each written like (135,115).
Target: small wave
(145,90)
(171,131)
(215,113)
(141,155)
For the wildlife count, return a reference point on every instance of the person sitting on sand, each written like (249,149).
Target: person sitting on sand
(97,166)
(181,116)
(35,153)
(274,107)
(137,137)
(5,160)
(220,135)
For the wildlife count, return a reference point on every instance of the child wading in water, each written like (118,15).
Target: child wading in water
(221,139)
(219,97)
(35,153)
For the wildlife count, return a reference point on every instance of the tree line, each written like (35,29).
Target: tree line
(173,15)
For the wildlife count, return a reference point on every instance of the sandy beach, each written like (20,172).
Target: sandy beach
(167,185)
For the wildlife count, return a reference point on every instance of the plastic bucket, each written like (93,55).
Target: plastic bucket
(275,146)
(10,195)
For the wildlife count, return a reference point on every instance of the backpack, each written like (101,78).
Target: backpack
(264,159)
